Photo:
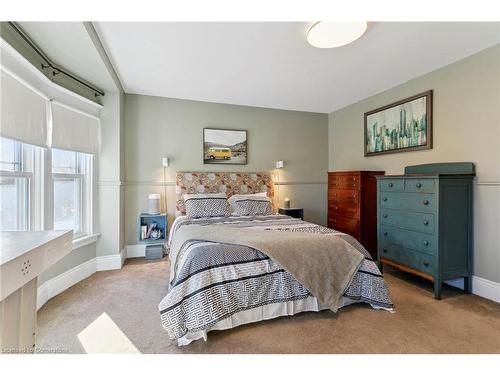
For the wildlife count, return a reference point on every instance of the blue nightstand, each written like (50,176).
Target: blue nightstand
(154,245)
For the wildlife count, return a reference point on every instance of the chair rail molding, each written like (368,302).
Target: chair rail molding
(172,183)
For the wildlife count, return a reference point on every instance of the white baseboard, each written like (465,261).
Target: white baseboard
(111,262)
(123,256)
(486,288)
(482,287)
(136,251)
(65,280)
(42,295)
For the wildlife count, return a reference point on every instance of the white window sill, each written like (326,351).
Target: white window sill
(85,240)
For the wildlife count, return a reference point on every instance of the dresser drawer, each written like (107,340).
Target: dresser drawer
(419,222)
(344,195)
(413,259)
(388,251)
(394,252)
(408,201)
(387,184)
(420,185)
(343,209)
(426,243)
(343,202)
(344,181)
(425,263)
(344,224)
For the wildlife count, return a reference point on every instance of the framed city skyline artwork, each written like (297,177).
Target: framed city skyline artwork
(405,125)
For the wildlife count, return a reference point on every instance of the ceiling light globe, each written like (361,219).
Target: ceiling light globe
(335,34)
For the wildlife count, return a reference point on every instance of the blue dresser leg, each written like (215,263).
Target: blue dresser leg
(468,284)
(437,288)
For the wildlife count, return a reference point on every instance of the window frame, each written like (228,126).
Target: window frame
(83,177)
(35,208)
(25,161)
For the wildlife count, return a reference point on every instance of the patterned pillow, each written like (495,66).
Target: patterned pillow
(251,205)
(235,197)
(206,205)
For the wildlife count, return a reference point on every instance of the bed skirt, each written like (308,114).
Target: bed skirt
(266,312)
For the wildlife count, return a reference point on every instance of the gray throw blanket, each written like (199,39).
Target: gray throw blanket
(325,265)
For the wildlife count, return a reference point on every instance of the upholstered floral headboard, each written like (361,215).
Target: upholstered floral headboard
(221,182)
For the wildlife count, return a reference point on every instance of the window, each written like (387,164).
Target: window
(16,184)
(72,191)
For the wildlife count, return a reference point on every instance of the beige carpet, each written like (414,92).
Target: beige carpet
(123,304)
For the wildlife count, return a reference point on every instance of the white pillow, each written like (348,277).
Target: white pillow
(206,205)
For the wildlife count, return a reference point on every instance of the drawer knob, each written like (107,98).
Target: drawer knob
(419,185)
(384,250)
(426,243)
(385,233)
(385,216)
(426,222)
(391,184)
(384,199)
(425,263)
(425,202)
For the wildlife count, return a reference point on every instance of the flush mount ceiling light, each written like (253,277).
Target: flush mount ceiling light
(335,34)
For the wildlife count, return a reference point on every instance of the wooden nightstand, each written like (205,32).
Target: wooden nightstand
(293,212)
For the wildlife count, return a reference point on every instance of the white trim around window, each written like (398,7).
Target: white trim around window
(16,181)
(27,180)
(76,178)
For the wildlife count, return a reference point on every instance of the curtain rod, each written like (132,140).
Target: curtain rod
(49,64)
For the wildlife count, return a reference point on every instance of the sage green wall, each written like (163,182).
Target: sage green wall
(156,126)
(466,127)
(110,171)
(73,259)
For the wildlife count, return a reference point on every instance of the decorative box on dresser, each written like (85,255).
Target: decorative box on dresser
(425,222)
(352,205)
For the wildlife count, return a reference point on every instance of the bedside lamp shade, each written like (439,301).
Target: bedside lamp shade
(279,164)
(154,204)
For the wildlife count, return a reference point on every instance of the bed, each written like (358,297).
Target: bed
(217,286)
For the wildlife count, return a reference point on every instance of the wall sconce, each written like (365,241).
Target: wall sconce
(279,164)
(164,161)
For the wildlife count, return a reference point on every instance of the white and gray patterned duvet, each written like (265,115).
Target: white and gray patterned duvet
(214,281)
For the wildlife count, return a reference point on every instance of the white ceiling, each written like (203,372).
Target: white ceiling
(272,65)
(264,64)
(69,45)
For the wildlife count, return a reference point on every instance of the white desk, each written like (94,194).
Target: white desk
(23,257)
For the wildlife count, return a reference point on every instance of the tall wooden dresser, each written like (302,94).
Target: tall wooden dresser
(425,222)
(352,205)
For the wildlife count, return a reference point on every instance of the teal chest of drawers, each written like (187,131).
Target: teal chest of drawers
(424,222)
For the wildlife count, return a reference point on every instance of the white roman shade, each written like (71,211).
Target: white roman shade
(74,130)
(23,112)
